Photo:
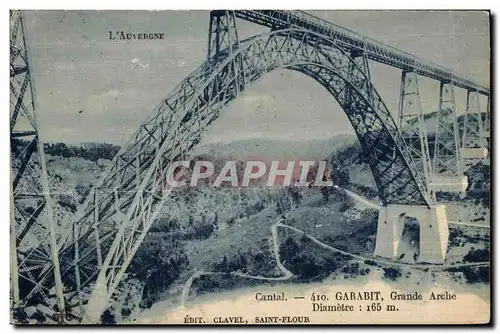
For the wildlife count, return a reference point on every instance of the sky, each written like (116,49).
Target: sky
(117,84)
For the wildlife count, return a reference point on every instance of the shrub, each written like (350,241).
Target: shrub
(67,202)
(306,261)
(392,273)
(352,269)
(165,224)
(82,190)
(95,152)
(126,312)
(477,255)
(159,261)
(200,231)
(345,206)
(108,318)
(231,221)
(477,275)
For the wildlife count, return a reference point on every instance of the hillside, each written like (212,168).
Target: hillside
(228,230)
(277,149)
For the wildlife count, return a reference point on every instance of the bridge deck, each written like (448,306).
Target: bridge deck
(278,19)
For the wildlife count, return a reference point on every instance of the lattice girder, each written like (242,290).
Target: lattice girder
(412,124)
(446,143)
(472,135)
(35,273)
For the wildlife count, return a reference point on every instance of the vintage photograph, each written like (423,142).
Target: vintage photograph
(250,167)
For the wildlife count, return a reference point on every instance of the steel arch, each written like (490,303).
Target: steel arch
(121,207)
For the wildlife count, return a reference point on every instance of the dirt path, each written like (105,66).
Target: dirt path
(362,200)
(469,224)
(371,204)
(381,261)
(276,249)
(288,274)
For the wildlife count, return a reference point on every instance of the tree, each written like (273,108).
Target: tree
(242,261)
(288,248)
(82,190)
(283,203)
(216,224)
(108,318)
(326,191)
(339,174)
(296,195)
(158,261)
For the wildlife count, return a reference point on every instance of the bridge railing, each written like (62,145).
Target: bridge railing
(351,40)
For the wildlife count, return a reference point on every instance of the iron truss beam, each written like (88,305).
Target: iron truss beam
(35,271)
(222,34)
(473,130)
(352,41)
(446,143)
(412,124)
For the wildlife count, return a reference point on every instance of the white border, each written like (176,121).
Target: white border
(257,4)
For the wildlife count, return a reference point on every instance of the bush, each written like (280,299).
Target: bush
(165,224)
(82,190)
(254,208)
(19,315)
(215,283)
(352,269)
(108,318)
(296,195)
(283,202)
(307,262)
(231,221)
(67,202)
(473,274)
(345,206)
(477,275)
(288,248)
(477,255)
(126,312)
(232,264)
(371,263)
(200,231)
(392,273)
(159,261)
(94,153)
